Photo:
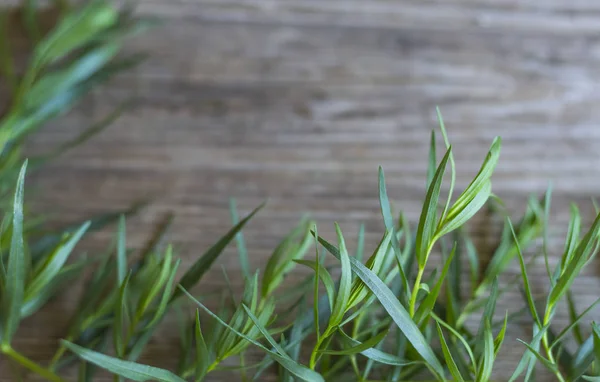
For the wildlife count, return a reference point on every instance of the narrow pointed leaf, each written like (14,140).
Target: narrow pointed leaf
(15,271)
(448,356)
(393,307)
(201,266)
(427,221)
(126,369)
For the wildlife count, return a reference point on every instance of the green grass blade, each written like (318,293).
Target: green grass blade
(373,353)
(201,266)
(14,289)
(396,311)
(126,369)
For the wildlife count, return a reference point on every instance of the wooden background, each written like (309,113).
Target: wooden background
(301,100)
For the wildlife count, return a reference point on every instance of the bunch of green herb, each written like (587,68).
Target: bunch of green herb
(392,317)
(66,59)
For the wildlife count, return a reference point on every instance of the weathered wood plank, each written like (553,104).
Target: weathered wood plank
(299,101)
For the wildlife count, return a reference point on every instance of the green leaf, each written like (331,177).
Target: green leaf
(202,354)
(360,245)
(456,219)
(528,356)
(341,300)
(373,353)
(164,301)
(201,266)
(583,359)
(596,334)
(34,302)
(549,365)
(361,347)
(239,240)
(393,307)
(574,318)
(527,229)
(428,303)
(7,69)
(432,159)
(448,357)
(583,251)
(121,251)
(388,221)
(322,273)
(54,263)
(75,30)
(528,294)
(14,289)
(281,262)
(462,340)
(121,322)
(427,221)
(280,356)
(484,372)
(501,334)
(126,369)
(60,81)
(30,20)
(452,164)
(573,324)
(546,225)
(479,183)
(488,314)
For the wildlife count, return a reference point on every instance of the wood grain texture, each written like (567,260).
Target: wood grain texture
(300,101)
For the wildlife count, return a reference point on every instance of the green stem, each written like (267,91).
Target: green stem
(547,346)
(58,355)
(415,292)
(29,364)
(315,352)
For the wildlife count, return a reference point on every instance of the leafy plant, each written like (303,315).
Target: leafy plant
(407,312)
(392,317)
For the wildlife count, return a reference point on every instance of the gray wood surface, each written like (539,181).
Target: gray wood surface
(301,100)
